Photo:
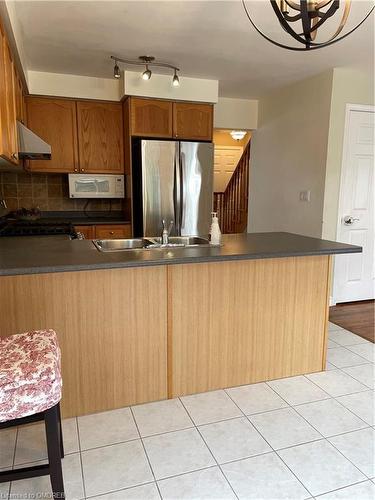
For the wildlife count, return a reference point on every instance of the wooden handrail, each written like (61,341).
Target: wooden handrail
(232,204)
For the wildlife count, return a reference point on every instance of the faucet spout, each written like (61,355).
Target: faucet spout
(166,232)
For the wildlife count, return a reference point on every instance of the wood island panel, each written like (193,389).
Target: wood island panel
(112,329)
(234,323)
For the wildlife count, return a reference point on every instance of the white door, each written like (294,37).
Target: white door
(354,274)
(226,159)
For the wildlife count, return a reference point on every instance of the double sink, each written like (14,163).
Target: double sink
(149,243)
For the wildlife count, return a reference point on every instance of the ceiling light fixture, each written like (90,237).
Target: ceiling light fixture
(116,71)
(146,61)
(238,135)
(175,79)
(312,14)
(146,75)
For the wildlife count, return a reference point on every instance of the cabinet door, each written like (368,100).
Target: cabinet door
(115,231)
(151,118)
(100,137)
(87,231)
(55,121)
(192,121)
(9,144)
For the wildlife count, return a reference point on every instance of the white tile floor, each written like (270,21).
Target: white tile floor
(298,438)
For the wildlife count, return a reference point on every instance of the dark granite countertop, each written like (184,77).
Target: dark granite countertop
(32,255)
(80,218)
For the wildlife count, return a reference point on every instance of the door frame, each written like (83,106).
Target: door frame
(345,150)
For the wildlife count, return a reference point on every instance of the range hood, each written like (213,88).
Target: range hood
(30,146)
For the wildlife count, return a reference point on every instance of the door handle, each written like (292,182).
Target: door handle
(349,220)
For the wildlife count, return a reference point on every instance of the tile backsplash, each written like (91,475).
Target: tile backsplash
(47,192)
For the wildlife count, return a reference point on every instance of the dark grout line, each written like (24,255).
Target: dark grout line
(145,452)
(80,458)
(343,488)
(213,456)
(122,489)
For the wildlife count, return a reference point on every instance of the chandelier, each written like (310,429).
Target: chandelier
(309,16)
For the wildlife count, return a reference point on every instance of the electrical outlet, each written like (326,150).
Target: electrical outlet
(304,195)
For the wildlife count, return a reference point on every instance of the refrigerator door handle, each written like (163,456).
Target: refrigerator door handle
(181,159)
(177,191)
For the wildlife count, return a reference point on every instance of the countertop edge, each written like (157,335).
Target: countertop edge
(176,260)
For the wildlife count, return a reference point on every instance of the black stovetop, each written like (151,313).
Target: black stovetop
(35,228)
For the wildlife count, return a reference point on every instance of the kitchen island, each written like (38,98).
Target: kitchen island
(144,325)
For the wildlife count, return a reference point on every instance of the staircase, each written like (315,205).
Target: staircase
(232,204)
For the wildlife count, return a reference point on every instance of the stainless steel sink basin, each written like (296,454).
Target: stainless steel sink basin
(183,241)
(120,245)
(149,243)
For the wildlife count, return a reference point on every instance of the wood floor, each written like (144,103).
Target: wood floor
(358,317)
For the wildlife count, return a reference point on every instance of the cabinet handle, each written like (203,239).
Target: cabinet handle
(82,169)
(76,170)
(111,233)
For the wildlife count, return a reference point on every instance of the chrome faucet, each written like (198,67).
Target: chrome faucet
(166,232)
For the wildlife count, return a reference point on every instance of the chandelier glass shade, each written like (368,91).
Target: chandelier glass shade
(238,135)
(302,19)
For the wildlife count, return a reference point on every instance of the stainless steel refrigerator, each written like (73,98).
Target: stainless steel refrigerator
(172,180)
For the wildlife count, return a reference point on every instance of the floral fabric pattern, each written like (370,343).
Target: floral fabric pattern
(30,373)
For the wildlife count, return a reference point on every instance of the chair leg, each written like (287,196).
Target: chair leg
(51,418)
(61,434)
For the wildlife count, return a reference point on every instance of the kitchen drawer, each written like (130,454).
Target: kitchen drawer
(114,231)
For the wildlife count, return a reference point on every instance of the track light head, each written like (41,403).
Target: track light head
(116,71)
(146,75)
(175,79)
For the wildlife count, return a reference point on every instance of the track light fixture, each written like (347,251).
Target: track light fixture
(116,71)
(175,79)
(146,75)
(146,61)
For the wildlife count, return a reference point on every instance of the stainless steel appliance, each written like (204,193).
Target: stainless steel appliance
(173,181)
(30,145)
(96,186)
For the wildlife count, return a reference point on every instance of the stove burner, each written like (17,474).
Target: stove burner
(33,228)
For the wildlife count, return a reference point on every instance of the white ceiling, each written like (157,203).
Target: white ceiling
(208,39)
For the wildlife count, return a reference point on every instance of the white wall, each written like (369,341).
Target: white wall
(160,86)
(350,86)
(236,114)
(14,34)
(81,87)
(288,155)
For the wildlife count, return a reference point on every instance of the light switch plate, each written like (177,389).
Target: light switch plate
(304,195)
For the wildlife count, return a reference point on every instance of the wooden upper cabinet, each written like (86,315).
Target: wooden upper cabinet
(192,121)
(20,98)
(150,117)
(9,142)
(54,121)
(100,137)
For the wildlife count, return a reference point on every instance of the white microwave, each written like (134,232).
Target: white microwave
(96,186)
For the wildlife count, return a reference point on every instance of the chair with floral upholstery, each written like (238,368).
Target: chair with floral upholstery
(30,391)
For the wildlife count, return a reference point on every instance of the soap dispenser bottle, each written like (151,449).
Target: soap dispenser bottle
(215,233)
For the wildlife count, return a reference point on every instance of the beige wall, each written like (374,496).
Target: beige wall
(160,86)
(237,114)
(289,152)
(84,87)
(349,87)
